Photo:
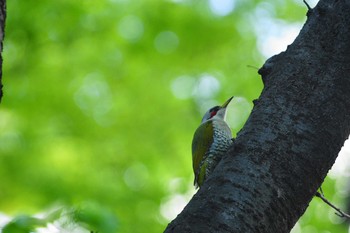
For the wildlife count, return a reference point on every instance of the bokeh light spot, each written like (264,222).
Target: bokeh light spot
(136,176)
(94,98)
(238,112)
(172,206)
(131,28)
(182,87)
(296,228)
(273,35)
(207,86)
(341,166)
(221,7)
(166,42)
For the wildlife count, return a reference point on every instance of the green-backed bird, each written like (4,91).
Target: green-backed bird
(210,142)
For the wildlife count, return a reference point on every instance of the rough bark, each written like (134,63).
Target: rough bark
(2,35)
(291,139)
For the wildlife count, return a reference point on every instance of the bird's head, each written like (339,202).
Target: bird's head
(218,112)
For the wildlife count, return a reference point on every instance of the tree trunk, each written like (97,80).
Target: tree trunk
(2,34)
(291,139)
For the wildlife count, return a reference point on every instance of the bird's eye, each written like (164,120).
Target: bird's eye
(213,111)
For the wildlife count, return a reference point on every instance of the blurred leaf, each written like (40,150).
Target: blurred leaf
(23,224)
(96,218)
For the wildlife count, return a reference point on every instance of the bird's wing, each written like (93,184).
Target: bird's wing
(202,140)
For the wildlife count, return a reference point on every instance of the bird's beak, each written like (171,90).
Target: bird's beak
(227,102)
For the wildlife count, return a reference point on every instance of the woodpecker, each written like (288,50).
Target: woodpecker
(210,142)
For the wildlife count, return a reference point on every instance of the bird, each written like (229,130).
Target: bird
(210,142)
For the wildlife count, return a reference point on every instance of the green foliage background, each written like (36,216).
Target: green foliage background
(102,98)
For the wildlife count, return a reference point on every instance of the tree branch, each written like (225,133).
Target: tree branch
(291,139)
(339,212)
(307,5)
